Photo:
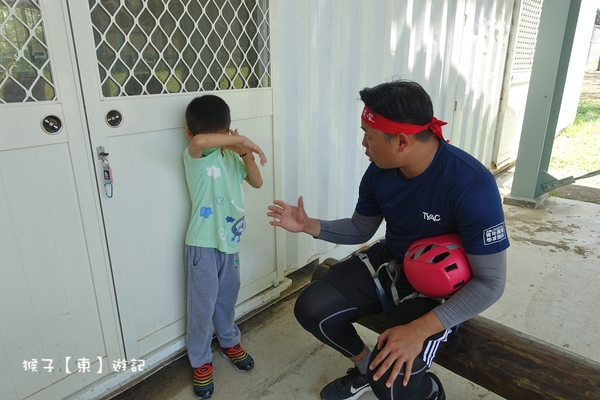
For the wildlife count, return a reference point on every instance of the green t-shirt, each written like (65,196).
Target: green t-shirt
(215,185)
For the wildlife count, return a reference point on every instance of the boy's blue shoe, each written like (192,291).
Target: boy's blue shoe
(204,386)
(238,357)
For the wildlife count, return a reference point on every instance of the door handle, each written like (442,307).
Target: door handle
(114,119)
(51,124)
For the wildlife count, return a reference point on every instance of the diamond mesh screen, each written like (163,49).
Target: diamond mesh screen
(527,31)
(25,74)
(171,46)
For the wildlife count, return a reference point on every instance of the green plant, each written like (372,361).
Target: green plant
(583,150)
(579,153)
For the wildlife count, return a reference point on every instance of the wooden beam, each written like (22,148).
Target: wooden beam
(507,362)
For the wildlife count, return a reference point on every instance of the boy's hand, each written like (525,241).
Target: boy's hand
(238,148)
(247,146)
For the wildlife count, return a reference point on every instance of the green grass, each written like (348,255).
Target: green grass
(580,153)
(563,195)
(583,152)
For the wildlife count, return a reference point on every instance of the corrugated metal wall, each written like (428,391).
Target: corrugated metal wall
(328,50)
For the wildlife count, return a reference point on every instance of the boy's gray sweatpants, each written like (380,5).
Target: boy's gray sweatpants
(212,291)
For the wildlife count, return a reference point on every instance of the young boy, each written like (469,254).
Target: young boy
(216,162)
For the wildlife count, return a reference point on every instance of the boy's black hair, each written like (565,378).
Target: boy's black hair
(207,114)
(401,101)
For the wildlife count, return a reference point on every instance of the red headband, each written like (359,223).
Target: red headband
(383,124)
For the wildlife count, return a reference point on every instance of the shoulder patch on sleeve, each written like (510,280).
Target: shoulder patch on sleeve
(494,234)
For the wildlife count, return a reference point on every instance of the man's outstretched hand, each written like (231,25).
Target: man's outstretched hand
(291,218)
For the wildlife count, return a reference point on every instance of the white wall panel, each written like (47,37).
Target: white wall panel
(526,15)
(576,69)
(329,50)
(49,300)
(479,80)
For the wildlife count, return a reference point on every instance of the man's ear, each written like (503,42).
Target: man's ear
(189,133)
(403,142)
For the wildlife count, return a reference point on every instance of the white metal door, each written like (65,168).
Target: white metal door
(516,81)
(141,62)
(58,329)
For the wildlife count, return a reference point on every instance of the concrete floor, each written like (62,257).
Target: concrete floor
(553,292)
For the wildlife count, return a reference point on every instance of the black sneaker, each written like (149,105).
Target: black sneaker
(348,387)
(440,394)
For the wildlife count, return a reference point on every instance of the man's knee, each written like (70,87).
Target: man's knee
(415,389)
(309,308)
(304,309)
(320,303)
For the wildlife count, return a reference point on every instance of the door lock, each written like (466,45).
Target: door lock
(114,119)
(102,155)
(51,124)
(106,171)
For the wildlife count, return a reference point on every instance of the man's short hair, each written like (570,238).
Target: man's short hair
(401,101)
(207,114)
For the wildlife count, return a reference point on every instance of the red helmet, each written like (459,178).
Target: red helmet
(437,266)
